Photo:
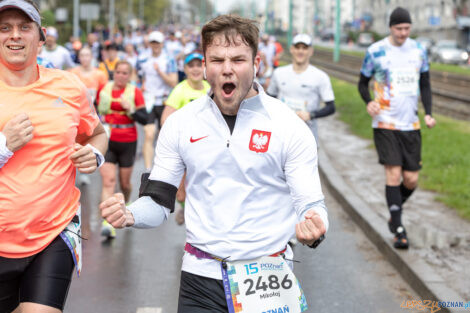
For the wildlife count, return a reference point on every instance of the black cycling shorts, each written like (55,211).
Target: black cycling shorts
(401,148)
(43,278)
(122,153)
(155,115)
(200,294)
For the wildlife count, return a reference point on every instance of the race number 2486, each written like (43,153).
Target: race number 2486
(273,284)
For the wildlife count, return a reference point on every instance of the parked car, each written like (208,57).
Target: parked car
(426,42)
(365,39)
(448,51)
(327,34)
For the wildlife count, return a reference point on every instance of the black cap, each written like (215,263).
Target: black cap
(111,46)
(399,15)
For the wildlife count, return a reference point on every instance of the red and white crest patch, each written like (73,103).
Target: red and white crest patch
(259,141)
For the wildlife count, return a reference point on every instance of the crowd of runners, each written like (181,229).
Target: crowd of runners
(240,159)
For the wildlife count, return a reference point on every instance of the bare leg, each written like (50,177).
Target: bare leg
(148,149)
(410,179)
(29,307)
(393,175)
(108,174)
(125,182)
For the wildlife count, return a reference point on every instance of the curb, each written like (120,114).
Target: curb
(416,272)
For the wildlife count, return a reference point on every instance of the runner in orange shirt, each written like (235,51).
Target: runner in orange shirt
(48,128)
(93,78)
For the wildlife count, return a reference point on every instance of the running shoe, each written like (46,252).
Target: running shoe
(400,240)
(391,227)
(107,230)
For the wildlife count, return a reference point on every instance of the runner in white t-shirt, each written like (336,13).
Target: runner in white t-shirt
(159,77)
(303,86)
(252,182)
(57,55)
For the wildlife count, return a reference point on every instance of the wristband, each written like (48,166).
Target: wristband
(99,156)
(5,153)
(317,242)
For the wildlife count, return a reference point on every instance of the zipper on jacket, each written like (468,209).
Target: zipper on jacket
(228,143)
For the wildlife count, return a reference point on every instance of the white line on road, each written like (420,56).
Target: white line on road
(149,310)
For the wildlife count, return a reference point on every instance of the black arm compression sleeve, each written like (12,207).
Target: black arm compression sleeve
(140,116)
(161,192)
(328,109)
(425,89)
(363,87)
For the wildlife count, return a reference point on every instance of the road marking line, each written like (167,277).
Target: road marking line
(149,310)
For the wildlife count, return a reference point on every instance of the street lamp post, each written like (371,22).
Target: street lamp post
(337,31)
(129,11)
(111,19)
(289,32)
(141,11)
(203,12)
(76,12)
(266,17)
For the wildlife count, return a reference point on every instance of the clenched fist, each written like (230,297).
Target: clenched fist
(115,212)
(84,159)
(373,108)
(18,131)
(310,229)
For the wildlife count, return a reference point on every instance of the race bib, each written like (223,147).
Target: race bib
(72,237)
(262,285)
(295,104)
(404,81)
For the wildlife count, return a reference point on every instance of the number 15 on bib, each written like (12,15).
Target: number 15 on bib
(262,285)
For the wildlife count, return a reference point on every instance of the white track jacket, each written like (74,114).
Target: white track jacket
(245,191)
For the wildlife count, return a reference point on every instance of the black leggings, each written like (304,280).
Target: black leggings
(43,278)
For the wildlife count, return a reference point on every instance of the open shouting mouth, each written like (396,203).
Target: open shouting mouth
(228,89)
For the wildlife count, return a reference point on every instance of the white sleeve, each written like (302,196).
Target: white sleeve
(320,208)
(326,91)
(272,88)
(68,60)
(5,154)
(147,213)
(168,165)
(301,170)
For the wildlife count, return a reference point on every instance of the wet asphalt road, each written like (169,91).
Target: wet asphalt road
(139,271)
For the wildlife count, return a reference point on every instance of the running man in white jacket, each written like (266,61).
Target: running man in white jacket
(252,182)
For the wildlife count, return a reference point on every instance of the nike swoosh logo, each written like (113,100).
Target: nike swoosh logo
(197,139)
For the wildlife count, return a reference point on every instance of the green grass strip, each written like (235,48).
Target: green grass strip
(445,150)
(450,68)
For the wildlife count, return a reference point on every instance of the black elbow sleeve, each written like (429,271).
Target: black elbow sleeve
(140,116)
(161,192)
(425,90)
(363,87)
